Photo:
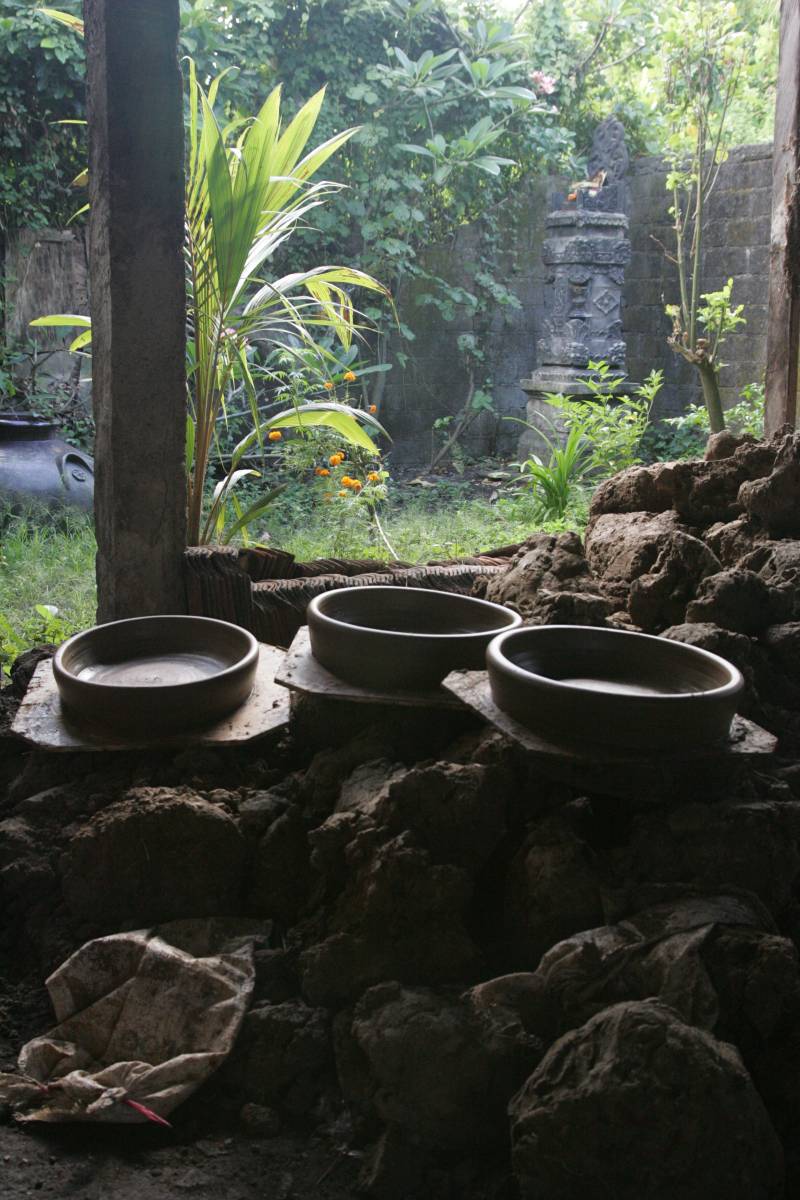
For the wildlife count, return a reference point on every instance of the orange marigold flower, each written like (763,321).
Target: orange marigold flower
(373,408)
(335,459)
(345,481)
(355,484)
(349,376)
(343,493)
(328,385)
(323,471)
(373,477)
(274,435)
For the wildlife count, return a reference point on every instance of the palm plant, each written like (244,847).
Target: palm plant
(245,197)
(248,189)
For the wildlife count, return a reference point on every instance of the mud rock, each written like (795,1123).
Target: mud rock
(521,1000)
(775,501)
(659,598)
(568,608)
(365,791)
(153,856)
(742,651)
(782,643)
(737,648)
(699,954)
(397,1167)
(434,1065)
(456,811)
(735,599)
(725,444)
(757,981)
(732,540)
(552,891)
(554,562)
(636,489)
(282,1058)
(398,917)
(259,809)
(706,492)
(778,564)
(319,786)
(637,1105)
(258,1121)
(23,667)
(622,546)
(28,882)
(281,876)
(750,845)
(701,493)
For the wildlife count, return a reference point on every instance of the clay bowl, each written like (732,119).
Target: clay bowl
(402,638)
(159,674)
(581,686)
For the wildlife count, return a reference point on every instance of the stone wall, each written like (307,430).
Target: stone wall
(434,381)
(736,246)
(46,272)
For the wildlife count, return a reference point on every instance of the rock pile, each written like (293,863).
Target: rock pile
(705,552)
(486,982)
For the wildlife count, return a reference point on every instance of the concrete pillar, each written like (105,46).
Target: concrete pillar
(136,191)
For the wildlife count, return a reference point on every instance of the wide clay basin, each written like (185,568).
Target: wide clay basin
(402,638)
(160,674)
(582,686)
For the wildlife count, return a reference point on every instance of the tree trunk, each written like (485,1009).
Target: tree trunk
(710,382)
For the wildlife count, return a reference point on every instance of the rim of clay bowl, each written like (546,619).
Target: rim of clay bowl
(495,652)
(241,664)
(316,608)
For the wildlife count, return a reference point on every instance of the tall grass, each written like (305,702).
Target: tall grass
(44,559)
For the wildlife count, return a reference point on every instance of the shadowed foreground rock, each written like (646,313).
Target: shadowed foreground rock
(439,1067)
(637,1105)
(154,856)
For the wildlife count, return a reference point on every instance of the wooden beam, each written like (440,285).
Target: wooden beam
(136,192)
(783,328)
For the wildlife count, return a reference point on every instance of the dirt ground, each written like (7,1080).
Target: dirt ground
(132,1163)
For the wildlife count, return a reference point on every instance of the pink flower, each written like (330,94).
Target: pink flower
(543,83)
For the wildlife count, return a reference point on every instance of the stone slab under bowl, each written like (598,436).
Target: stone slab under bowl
(399,638)
(161,674)
(583,686)
(42,721)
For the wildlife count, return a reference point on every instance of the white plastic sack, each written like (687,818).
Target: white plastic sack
(143,1019)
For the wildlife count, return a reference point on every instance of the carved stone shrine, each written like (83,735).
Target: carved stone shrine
(584,254)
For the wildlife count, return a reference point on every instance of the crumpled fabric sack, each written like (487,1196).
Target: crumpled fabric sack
(144,1018)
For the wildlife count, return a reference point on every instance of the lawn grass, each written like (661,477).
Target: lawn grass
(47,560)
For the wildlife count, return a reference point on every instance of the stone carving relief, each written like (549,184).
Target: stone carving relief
(585,253)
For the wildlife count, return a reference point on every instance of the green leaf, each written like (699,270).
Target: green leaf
(252,513)
(58,319)
(65,18)
(83,339)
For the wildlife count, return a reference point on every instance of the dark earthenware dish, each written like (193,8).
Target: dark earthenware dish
(576,685)
(402,638)
(163,674)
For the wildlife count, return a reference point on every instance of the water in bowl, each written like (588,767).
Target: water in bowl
(155,670)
